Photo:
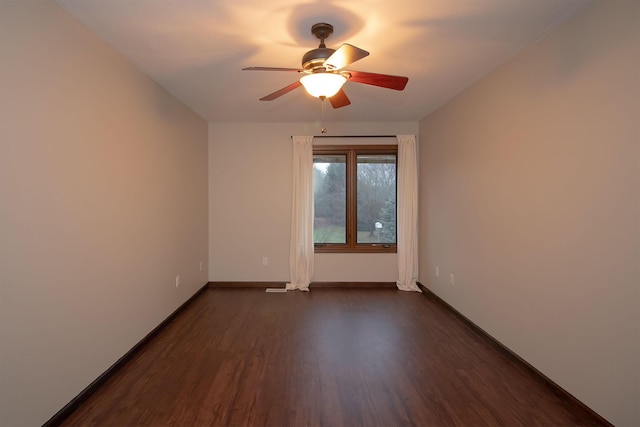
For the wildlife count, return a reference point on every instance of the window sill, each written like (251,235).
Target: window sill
(362,249)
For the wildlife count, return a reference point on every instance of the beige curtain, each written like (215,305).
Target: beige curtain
(301,254)
(407,214)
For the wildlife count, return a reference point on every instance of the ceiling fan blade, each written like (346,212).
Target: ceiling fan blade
(381,80)
(270,69)
(281,92)
(343,56)
(340,99)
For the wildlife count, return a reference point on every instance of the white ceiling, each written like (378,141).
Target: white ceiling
(197,48)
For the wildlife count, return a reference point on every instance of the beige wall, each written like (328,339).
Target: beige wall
(250,168)
(530,191)
(103,201)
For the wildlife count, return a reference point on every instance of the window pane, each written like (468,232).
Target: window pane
(376,198)
(329,198)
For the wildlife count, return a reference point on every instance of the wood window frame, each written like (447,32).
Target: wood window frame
(351,152)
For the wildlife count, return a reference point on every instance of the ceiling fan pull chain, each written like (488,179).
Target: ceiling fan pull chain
(322,128)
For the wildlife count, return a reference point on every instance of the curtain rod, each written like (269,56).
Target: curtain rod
(353,136)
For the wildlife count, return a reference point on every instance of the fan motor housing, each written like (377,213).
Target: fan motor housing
(315,58)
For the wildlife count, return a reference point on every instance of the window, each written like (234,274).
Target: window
(354,189)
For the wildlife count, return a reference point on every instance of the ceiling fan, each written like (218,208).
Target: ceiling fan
(324,74)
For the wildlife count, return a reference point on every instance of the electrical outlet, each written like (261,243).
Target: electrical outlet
(437,271)
(201,265)
(265,260)
(177,280)
(452,280)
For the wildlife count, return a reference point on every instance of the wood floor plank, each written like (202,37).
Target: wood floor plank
(329,357)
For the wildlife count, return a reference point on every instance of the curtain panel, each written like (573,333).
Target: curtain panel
(301,253)
(407,214)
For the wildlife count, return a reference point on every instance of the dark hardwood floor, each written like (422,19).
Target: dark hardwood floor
(329,357)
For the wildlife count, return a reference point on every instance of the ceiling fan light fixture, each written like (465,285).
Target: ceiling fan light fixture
(323,84)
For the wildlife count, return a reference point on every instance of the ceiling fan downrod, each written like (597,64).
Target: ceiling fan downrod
(322,31)
(314,59)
